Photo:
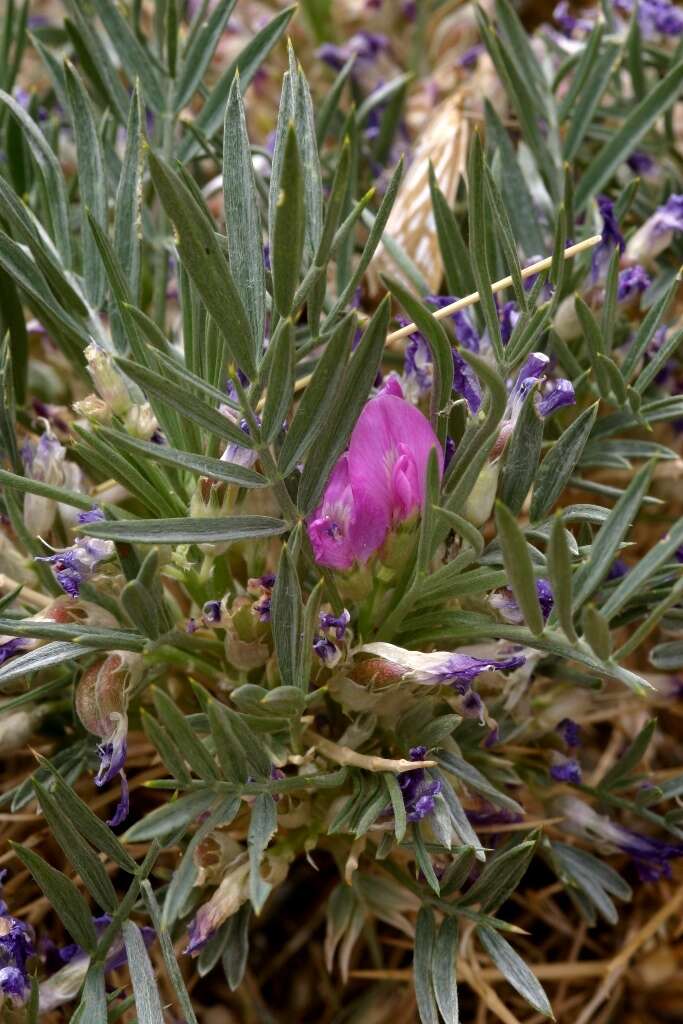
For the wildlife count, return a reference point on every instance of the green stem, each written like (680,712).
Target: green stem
(168,120)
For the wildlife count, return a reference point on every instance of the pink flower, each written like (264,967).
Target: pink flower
(377,484)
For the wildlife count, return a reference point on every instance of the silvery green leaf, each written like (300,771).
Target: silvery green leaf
(514,970)
(457,267)
(425,937)
(127,212)
(501,876)
(440,348)
(667,657)
(168,953)
(262,826)
(91,43)
(630,758)
(63,895)
(304,122)
(247,63)
(193,750)
(287,614)
(596,631)
(79,853)
(559,463)
(199,465)
(147,999)
(169,817)
(187,531)
(330,104)
(135,59)
(514,188)
(523,451)
(351,397)
(519,567)
(583,111)
(319,397)
(473,779)
(623,141)
(141,609)
(92,1008)
(558,558)
(443,970)
(592,877)
(243,222)
(91,180)
(44,657)
(198,54)
(237,947)
(287,236)
(610,535)
(646,331)
(280,380)
(87,822)
(51,172)
(201,256)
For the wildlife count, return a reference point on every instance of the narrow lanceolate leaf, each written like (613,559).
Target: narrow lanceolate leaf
(287,239)
(63,896)
(145,988)
(80,854)
(287,615)
(44,657)
(261,827)
(198,55)
(199,465)
(243,223)
(352,395)
(558,557)
(514,970)
(185,531)
(280,381)
(304,123)
(596,631)
(127,209)
(610,535)
(91,181)
(132,54)
(559,463)
(425,937)
(440,348)
(519,567)
(521,461)
(443,970)
(247,63)
(626,139)
(643,570)
(168,954)
(51,172)
(194,751)
(201,256)
(319,398)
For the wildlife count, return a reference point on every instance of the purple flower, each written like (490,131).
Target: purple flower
(655,17)
(95,515)
(12,646)
(418,790)
(558,394)
(656,234)
(466,383)
(76,565)
(618,569)
(508,318)
(505,602)
(436,668)
(328,652)
(569,23)
(364,46)
(566,770)
(611,237)
(377,484)
(465,331)
(472,706)
(14,985)
(211,612)
(570,731)
(469,58)
(336,622)
(417,365)
(641,163)
(632,281)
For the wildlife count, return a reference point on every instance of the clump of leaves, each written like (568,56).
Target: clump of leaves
(164,570)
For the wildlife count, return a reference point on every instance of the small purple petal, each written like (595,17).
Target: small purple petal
(570,731)
(566,770)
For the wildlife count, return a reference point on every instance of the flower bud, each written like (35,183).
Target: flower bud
(107,380)
(141,422)
(93,408)
(479,504)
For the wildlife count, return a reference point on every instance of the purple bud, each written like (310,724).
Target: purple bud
(336,622)
(566,770)
(570,731)
(560,393)
(632,281)
(8,648)
(611,237)
(466,382)
(211,612)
